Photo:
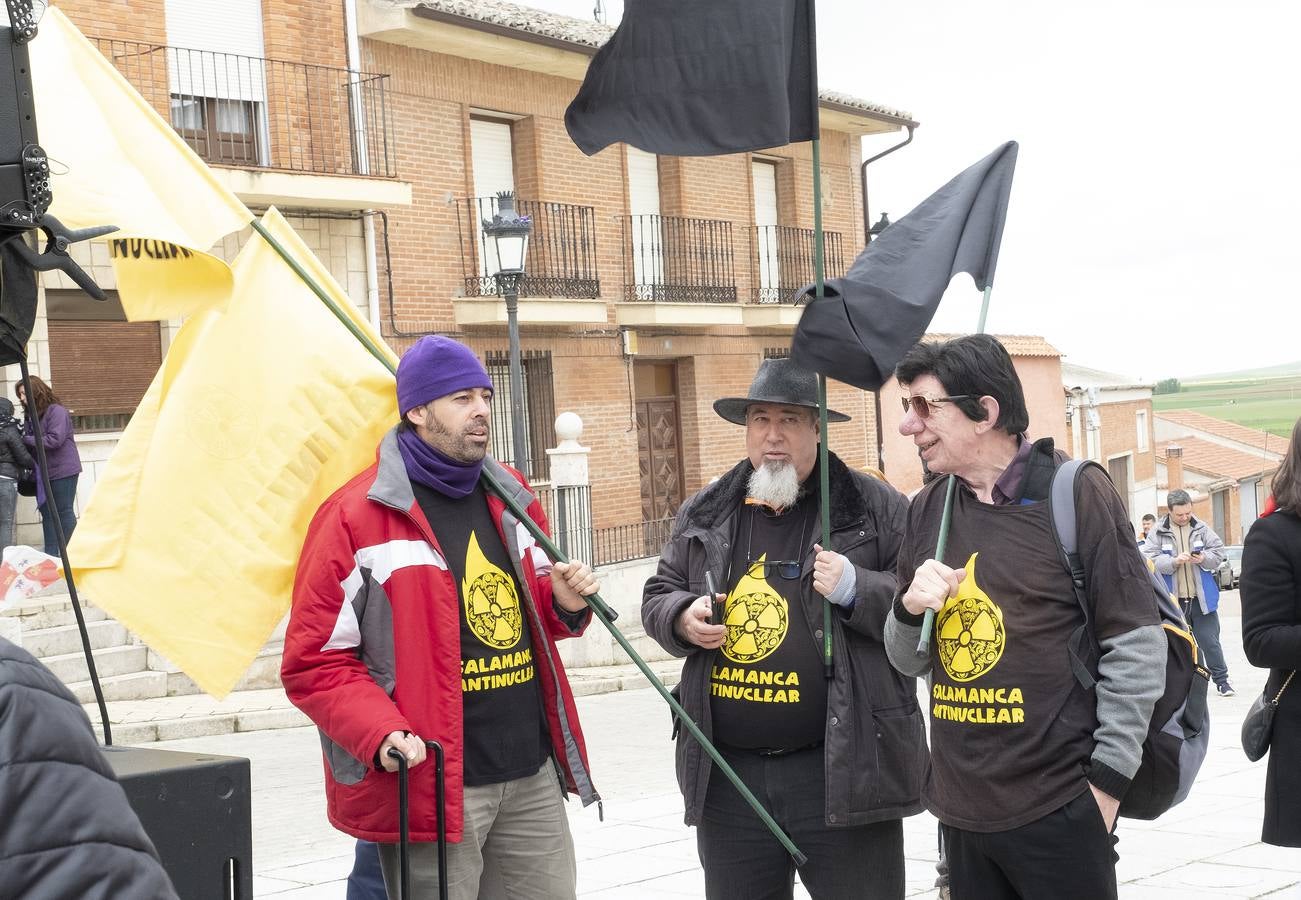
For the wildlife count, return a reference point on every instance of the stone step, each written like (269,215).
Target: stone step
(262,674)
(125,660)
(49,612)
(64,639)
(132,686)
(197,715)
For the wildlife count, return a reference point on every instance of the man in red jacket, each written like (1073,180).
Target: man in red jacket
(423,610)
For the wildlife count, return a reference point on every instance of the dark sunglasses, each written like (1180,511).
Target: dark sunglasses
(786,568)
(922,405)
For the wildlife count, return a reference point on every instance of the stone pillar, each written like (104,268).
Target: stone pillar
(572,520)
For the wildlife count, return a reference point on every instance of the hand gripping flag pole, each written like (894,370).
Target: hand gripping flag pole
(600,610)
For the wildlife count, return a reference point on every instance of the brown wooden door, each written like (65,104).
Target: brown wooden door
(659,439)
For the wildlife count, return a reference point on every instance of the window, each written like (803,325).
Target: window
(776,352)
(84,336)
(218,79)
(1140,419)
(539,411)
(493,160)
(221,131)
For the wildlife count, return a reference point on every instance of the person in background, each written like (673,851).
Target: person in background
(1186,553)
(13,459)
(1149,522)
(1271,636)
(60,454)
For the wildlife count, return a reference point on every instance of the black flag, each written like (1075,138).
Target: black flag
(697,78)
(870,318)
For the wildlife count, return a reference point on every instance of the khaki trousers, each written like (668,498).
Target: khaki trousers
(516,845)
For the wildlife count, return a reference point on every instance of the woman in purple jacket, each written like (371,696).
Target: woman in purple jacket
(60,454)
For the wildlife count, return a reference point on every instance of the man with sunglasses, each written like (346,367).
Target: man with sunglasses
(1027,768)
(836,760)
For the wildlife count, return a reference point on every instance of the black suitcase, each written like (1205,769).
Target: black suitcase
(404,825)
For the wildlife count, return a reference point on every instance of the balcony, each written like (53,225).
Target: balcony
(783,260)
(681,272)
(266,122)
(561,286)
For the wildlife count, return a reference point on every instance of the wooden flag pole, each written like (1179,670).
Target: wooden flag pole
(928,621)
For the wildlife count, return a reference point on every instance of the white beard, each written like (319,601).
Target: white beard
(776,484)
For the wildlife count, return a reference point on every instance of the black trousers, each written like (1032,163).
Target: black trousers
(1066,855)
(743,861)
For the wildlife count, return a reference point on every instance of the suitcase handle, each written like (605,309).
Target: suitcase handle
(404,827)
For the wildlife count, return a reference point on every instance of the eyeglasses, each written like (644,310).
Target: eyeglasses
(922,405)
(786,568)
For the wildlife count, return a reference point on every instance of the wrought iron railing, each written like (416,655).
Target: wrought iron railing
(264,113)
(539,412)
(561,256)
(783,260)
(624,542)
(670,259)
(569,512)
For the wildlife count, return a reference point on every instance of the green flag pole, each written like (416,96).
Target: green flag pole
(599,608)
(824,488)
(928,620)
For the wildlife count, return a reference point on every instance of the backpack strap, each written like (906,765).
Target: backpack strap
(1061,506)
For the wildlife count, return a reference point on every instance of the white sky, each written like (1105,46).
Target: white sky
(1154,218)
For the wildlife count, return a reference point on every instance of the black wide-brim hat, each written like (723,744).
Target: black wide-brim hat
(777,381)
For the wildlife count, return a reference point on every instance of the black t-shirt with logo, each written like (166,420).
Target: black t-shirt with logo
(505,736)
(1011,729)
(767,688)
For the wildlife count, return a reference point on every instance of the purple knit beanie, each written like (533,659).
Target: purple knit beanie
(434,367)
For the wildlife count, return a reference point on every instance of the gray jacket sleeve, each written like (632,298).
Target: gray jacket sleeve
(1127,690)
(901,639)
(1212,549)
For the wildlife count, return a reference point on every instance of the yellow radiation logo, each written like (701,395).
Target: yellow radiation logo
(756,618)
(970,627)
(491,606)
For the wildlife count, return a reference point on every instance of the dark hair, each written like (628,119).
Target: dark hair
(1148,517)
(976,365)
(1287,480)
(1178,498)
(42,397)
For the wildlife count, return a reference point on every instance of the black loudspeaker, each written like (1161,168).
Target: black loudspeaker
(24,183)
(197,810)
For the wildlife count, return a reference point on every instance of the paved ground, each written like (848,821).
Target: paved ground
(1206,848)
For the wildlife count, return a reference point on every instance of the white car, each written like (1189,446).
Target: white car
(1230,571)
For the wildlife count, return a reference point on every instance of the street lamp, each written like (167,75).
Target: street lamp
(510,238)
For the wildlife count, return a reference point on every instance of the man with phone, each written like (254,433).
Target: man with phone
(836,757)
(1186,553)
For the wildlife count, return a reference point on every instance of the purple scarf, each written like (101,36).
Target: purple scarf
(427,466)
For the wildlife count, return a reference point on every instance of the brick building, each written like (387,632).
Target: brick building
(1228,468)
(654,285)
(1111,423)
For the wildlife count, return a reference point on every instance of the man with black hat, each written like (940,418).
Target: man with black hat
(422,610)
(836,760)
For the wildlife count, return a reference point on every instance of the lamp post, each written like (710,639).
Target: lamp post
(510,241)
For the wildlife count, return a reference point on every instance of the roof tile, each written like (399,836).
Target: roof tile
(1217,461)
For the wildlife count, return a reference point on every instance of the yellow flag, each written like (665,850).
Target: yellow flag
(259,412)
(116,161)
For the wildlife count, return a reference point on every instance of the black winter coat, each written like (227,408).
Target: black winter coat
(874,744)
(66,828)
(13,453)
(1271,635)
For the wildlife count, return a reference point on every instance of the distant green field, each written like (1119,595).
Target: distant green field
(1269,404)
